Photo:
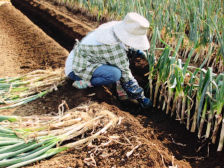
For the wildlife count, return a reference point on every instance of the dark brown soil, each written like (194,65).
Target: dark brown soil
(26,45)
(150,153)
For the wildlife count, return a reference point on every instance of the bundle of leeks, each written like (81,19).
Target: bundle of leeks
(25,140)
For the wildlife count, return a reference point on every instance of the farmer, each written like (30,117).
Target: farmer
(101,57)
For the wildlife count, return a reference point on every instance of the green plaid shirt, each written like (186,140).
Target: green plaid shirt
(89,57)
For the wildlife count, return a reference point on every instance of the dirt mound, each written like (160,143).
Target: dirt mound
(24,47)
(134,146)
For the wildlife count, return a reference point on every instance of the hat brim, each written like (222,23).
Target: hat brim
(139,42)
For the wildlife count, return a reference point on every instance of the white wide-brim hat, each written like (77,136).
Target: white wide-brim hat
(132,31)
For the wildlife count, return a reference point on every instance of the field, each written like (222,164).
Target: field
(38,34)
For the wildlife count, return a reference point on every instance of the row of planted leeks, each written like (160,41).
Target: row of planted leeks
(201,21)
(194,95)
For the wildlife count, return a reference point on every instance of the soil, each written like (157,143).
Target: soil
(44,42)
(25,47)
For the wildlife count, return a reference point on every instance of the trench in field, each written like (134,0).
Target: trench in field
(182,143)
(56,30)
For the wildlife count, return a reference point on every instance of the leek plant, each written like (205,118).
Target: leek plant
(161,67)
(208,98)
(179,92)
(203,117)
(218,104)
(151,61)
(186,88)
(221,140)
(171,84)
(191,91)
(201,91)
(164,76)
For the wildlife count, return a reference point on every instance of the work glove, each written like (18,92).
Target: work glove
(81,84)
(133,89)
(136,92)
(145,103)
(141,54)
(132,54)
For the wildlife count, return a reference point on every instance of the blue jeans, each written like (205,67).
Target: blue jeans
(103,75)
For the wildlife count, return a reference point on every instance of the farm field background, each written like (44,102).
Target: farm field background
(45,43)
(186,58)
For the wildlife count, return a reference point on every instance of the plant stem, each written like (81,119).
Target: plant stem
(209,124)
(202,118)
(170,96)
(188,113)
(156,92)
(183,108)
(216,127)
(221,140)
(194,124)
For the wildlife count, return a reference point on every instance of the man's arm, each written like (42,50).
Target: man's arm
(128,81)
